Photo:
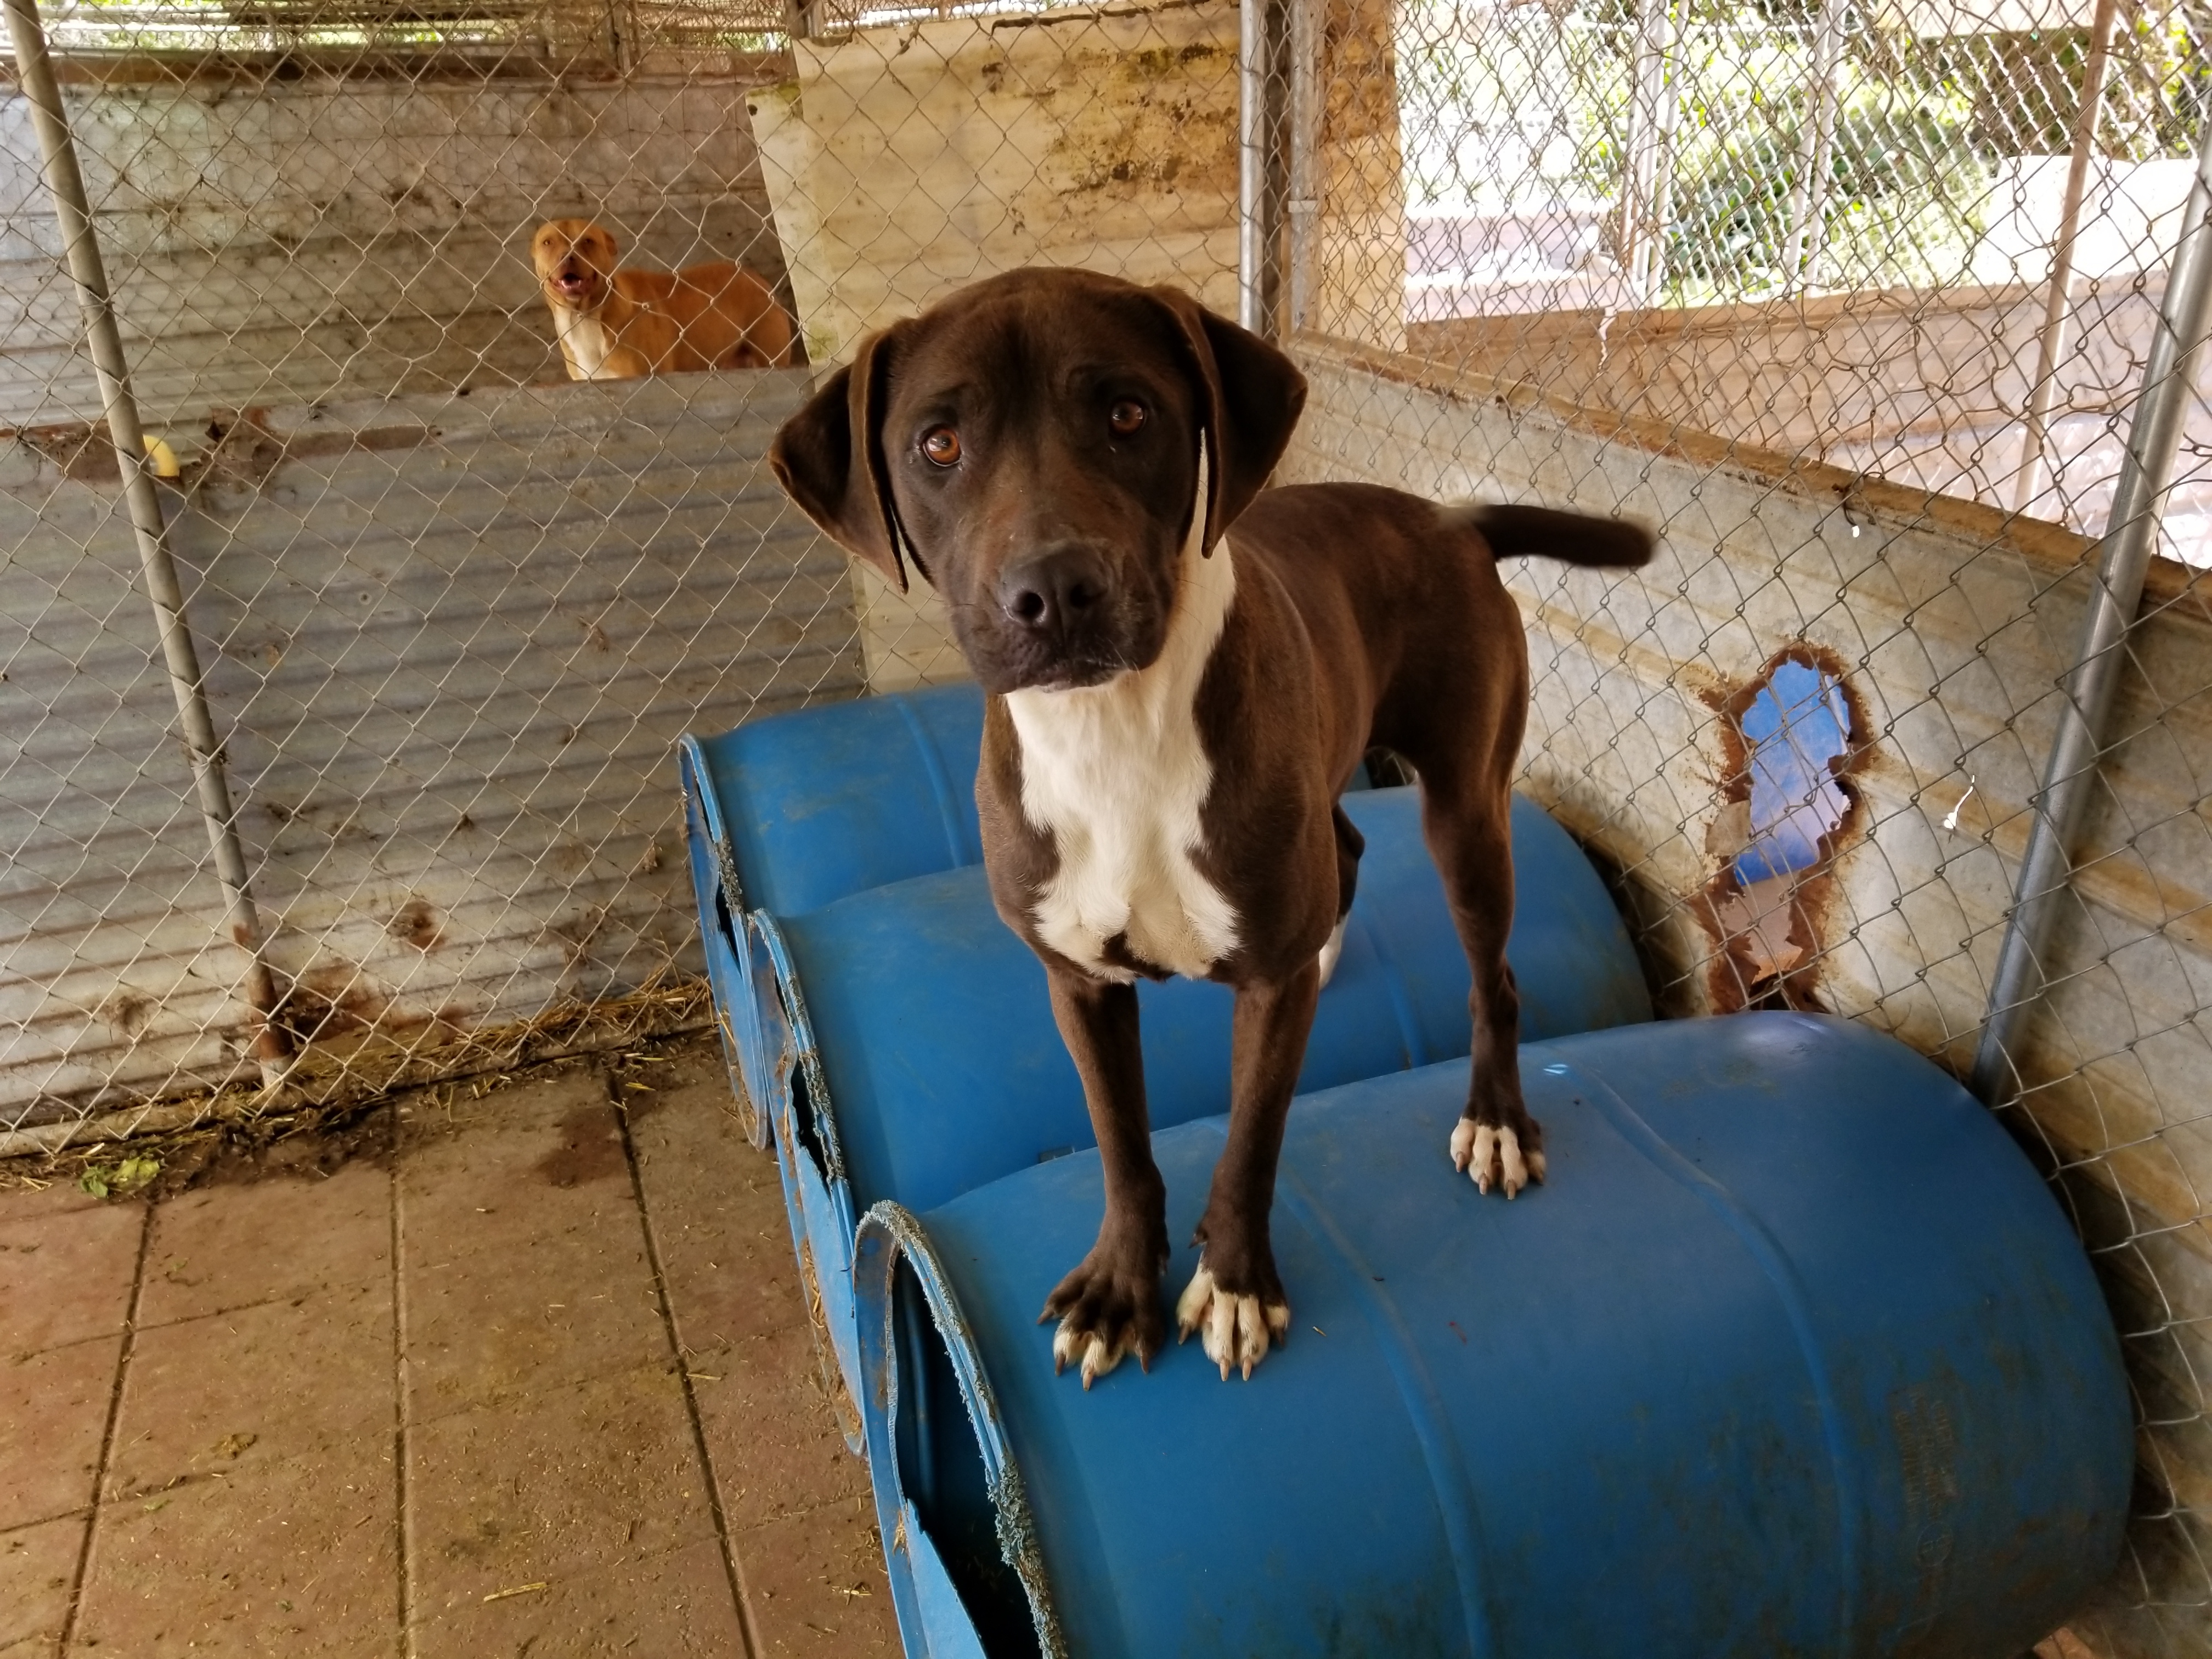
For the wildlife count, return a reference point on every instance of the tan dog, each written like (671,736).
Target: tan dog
(618,325)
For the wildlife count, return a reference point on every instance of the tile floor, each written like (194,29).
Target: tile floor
(529,1375)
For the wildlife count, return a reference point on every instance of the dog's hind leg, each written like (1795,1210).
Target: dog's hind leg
(1109,1306)
(1350,844)
(1235,1300)
(1467,822)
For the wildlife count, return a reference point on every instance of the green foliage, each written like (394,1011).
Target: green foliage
(1918,126)
(118,1180)
(1902,202)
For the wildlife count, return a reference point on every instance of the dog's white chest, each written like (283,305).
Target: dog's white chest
(584,342)
(1116,776)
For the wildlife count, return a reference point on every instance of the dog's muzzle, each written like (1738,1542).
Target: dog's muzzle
(1056,605)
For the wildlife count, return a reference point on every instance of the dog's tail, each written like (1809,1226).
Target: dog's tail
(1540,533)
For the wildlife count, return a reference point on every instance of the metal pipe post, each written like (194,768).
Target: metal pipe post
(2058,298)
(1650,142)
(1808,197)
(1302,252)
(1252,239)
(2130,538)
(34,71)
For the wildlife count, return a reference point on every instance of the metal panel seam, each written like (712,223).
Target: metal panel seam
(1424,1410)
(1774,1262)
(940,785)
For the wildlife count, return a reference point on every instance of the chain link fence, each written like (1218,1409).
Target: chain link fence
(444,612)
(449,612)
(1856,303)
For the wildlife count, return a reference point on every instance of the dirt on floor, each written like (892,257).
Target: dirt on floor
(515,1365)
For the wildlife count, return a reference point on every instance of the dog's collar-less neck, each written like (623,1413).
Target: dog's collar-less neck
(584,339)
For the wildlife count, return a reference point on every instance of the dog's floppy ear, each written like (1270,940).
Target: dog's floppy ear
(829,458)
(1252,396)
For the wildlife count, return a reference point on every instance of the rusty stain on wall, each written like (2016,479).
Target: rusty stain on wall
(416,923)
(335,999)
(1166,124)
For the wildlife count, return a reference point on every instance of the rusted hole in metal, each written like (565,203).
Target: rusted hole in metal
(1792,739)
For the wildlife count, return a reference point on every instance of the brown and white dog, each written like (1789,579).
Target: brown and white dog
(618,325)
(1171,716)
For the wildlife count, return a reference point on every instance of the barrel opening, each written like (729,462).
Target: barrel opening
(804,1131)
(941,1472)
(730,926)
(786,1037)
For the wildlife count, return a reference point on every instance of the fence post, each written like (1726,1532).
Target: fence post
(2129,540)
(65,183)
(2058,297)
(1808,197)
(1652,111)
(1259,174)
(1301,256)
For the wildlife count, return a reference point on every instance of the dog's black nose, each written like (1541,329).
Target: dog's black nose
(1053,593)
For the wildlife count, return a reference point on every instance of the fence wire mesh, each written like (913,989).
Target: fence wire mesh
(453,610)
(1854,303)
(1851,301)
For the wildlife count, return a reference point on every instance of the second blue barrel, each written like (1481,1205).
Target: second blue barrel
(823,802)
(798,810)
(1795,1355)
(917,1058)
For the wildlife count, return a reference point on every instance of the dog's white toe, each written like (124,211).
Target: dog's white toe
(1332,952)
(1098,1355)
(1236,1331)
(1491,1157)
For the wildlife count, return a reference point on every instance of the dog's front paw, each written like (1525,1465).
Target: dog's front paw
(1109,1309)
(1234,1330)
(1493,1155)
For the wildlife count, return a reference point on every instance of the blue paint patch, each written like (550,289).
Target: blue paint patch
(1796,726)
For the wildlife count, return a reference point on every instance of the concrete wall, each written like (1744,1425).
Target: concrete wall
(1954,629)
(272,241)
(903,163)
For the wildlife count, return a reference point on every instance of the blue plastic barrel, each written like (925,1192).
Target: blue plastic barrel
(916,1056)
(801,809)
(823,802)
(796,810)
(1794,1355)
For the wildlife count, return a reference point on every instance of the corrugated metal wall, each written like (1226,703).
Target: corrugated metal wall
(450,641)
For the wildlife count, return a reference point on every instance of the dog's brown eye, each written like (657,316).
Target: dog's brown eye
(1125,416)
(942,445)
